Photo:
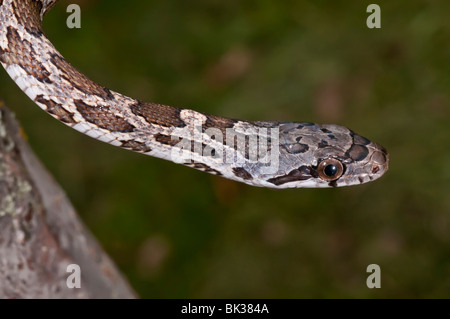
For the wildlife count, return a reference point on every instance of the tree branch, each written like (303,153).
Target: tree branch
(41,234)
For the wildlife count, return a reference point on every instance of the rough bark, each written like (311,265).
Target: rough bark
(41,234)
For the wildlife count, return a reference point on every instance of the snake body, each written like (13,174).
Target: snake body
(267,154)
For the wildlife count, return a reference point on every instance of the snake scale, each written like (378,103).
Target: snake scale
(266,154)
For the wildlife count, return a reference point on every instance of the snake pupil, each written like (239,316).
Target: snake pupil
(330,170)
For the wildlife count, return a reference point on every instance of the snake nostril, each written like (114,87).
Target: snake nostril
(375,169)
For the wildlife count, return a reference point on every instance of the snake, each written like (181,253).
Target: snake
(272,154)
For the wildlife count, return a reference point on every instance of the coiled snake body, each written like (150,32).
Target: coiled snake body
(268,154)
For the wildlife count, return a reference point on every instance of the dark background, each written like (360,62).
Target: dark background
(180,233)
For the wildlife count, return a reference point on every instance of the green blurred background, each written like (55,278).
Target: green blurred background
(179,233)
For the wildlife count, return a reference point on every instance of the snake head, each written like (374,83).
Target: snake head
(327,155)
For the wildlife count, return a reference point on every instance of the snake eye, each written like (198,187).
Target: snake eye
(330,169)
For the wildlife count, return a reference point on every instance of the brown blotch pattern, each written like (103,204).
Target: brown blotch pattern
(22,53)
(166,139)
(136,146)
(2,53)
(103,118)
(300,174)
(325,130)
(28,15)
(158,114)
(78,79)
(221,123)
(194,146)
(242,173)
(322,144)
(56,109)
